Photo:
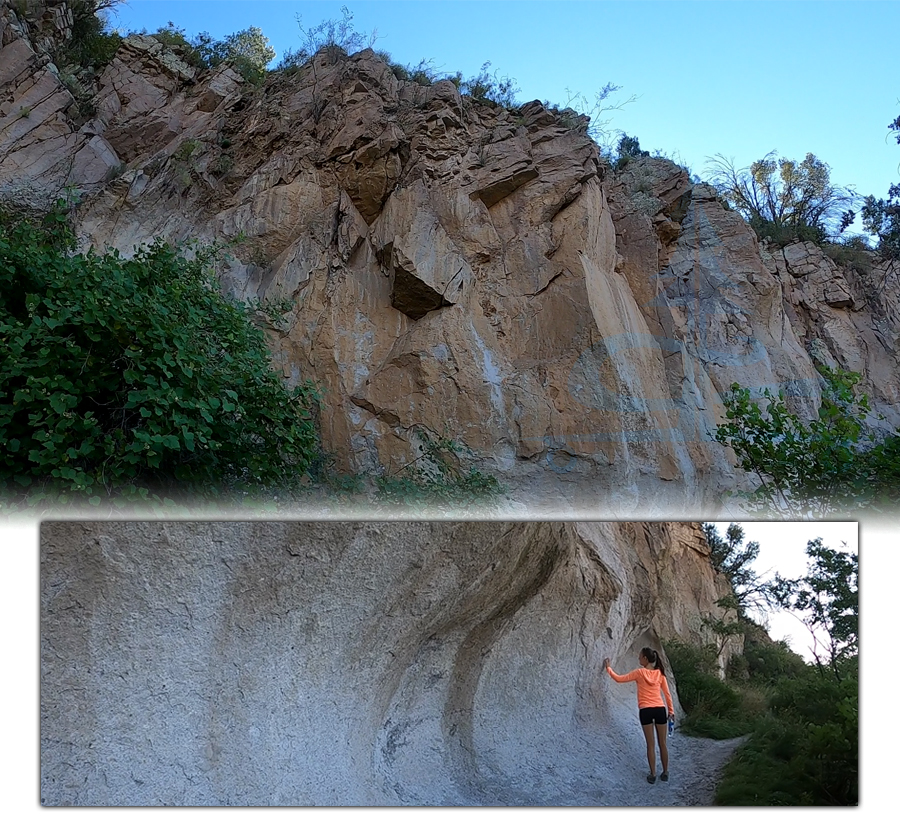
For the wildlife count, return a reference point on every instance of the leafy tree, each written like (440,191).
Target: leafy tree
(785,199)
(134,378)
(248,51)
(725,627)
(881,218)
(827,599)
(828,465)
(91,45)
(731,557)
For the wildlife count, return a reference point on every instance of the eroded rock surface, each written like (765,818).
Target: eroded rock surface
(357,663)
(456,269)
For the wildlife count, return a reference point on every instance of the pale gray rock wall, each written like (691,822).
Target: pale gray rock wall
(354,663)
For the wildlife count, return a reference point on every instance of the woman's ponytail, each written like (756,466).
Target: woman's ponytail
(654,659)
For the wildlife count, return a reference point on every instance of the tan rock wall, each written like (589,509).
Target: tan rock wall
(456,269)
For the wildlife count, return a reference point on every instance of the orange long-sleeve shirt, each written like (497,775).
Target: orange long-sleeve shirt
(649,685)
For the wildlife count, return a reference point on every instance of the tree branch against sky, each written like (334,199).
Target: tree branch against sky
(782,551)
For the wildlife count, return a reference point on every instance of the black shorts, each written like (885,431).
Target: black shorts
(653,716)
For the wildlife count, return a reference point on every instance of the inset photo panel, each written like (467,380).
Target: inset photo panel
(480,663)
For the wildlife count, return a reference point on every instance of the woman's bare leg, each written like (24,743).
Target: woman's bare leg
(651,749)
(661,733)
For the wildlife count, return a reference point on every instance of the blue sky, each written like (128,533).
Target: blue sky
(736,78)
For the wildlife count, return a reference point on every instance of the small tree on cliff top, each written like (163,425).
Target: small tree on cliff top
(785,199)
(881,217)
(249,51)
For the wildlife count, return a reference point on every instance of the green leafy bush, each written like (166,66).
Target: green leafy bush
(710,704)
(92,45)
(627,149)
(134,378)
(768,661)
(806,752)
(247,51)
(827,465)
(853,253)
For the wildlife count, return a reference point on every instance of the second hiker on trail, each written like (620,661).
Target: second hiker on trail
(651,685)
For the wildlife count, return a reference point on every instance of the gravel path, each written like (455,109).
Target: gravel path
(695,766)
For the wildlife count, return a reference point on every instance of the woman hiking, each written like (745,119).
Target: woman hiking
(651,679)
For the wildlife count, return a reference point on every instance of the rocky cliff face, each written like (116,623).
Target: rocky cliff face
(457,269)
(357,663)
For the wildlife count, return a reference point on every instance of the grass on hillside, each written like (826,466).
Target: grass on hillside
(803,724)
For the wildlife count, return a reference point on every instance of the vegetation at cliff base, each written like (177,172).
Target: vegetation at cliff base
(437,476)
(831,464)
(135,379)
(802,719)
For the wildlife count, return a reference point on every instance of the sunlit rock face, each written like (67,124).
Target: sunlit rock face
(355,663)
(454,269)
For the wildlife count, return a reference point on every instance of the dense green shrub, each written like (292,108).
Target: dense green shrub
(831,464)
(176,38)
(804,726)
(806,752)
(767,661)
(783,235)
(247,51)
(712,706)
(134,378)
(92,44)
(853,253)
(627,149)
